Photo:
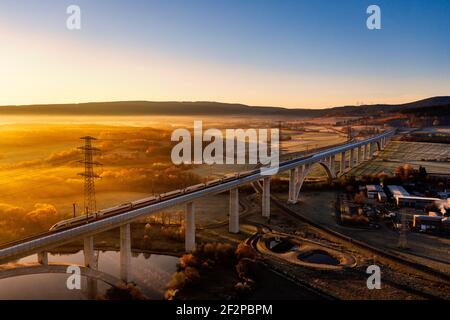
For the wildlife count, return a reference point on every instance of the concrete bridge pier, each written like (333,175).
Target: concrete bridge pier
(43,258)
(190,227)
(352,158)
(359,155)
(293,173)
(88,251)
(303,171)
(366,152)
(342,169)
(234,211)
(372,150)
(266,197)
(92,288)
(89,261)
(329,161)
(125,253)
(333,166)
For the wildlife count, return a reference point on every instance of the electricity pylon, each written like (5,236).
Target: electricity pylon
(88,174)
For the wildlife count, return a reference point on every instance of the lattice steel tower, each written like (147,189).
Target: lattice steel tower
(88,174)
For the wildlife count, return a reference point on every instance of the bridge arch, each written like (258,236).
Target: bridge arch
(378,145)
(330,172)
(22,269)
(327,168)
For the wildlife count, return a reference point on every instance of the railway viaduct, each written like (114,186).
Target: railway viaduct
(336,161)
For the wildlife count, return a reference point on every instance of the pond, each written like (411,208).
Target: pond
(281,245)
(319,257)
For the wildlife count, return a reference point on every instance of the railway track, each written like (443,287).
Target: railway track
(30,238)
(41,235)
(252,240)
(380,252)
(442,278)
(136,208)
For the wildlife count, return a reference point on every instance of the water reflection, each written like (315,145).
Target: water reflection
(151,272)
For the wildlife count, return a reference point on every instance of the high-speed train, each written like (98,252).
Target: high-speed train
(125,207)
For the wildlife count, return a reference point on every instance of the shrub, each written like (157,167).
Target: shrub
(359,198)
(188,260)
(205,265)
(177,281)
(170,294)
(224,252)
(244,251)
(123,292)
(191,275)
(244,286)
(246,268)
(209,250)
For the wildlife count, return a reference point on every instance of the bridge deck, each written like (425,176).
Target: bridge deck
(57,238)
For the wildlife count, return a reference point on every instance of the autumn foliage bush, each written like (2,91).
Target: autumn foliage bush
(123,291)
(244,251)
(192,266)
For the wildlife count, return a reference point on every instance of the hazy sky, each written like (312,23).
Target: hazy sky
(273,52)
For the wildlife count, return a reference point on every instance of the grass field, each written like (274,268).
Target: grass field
(299,142)
(416,154)
(311,140)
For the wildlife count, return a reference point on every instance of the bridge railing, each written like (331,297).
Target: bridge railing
(52,240)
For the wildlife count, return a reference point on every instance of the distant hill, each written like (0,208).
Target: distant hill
(154,108)
(430,111)
(212,108)
(434,102)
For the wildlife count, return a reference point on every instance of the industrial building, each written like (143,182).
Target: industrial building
(415,201)
(397,191)
(443,194)
(372,191)
(425,223)
(375,191)
(382,196)
(404,199)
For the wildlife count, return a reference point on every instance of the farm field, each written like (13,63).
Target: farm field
(415,154)
(311,140)
(299,142)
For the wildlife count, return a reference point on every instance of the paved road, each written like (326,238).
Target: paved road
(318,206)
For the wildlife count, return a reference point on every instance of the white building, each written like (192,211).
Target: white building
(382,196)
(414,201)
(373,190)
(398,191)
